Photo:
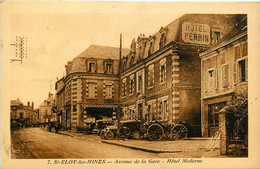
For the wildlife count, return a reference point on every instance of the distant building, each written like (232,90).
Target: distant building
(22,115)
(224,71)
(161,76)
(46,113)
(89,90)
(60,103)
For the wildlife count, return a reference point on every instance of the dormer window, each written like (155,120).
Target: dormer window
(109,68)
(162,40)
(151,48)
(140,52)
(216,35)
(163,31)
(125,64)
(91,66)
(132,60)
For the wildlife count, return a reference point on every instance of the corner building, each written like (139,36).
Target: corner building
(161,75)
(89,90)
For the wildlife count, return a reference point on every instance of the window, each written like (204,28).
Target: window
(225,75)
(21,115)
(242,70)
(162,40)
(150,76)
(163,109)
(149,112)
(109,68)
(92,67)
(125,64)
(132,114)
(216,35)
(132,86)
(151,48)
(162,73)
(132,60)
(140,52)
(91,90)
(140,83)
(108,91)
(214,114)
(124,87)
(210,81)
(140,111)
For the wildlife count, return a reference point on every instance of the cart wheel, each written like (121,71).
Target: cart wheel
(102,135)
(127,131)
(179,132)
(155,132)
(136,135)
(109,135)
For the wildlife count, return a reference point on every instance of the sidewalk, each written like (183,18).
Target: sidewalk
(192,147)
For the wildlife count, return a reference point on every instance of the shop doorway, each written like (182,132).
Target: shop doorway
(213,117)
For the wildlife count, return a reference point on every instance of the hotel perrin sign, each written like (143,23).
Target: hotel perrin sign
(195,33)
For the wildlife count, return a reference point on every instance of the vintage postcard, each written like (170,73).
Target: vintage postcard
(129,84)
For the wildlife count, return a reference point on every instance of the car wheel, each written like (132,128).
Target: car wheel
(136,135)
(102,135)
(109,135)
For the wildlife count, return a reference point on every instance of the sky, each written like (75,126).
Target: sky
(58,31)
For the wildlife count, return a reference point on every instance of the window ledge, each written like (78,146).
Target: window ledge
(241,83)
(151,87)
(162,83)
(91,98)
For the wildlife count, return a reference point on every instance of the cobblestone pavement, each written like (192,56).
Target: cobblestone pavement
(38,143)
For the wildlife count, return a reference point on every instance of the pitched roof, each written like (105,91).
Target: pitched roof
(104,52)
(16,102)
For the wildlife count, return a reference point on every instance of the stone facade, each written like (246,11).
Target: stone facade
(88,92)
(23,115)
(167,65)
(46,113)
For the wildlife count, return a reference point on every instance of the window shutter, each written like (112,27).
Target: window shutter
(216,78)
(205,80)
(235,73)
(227,75)
(246,65)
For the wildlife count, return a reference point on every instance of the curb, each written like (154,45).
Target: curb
(141,148)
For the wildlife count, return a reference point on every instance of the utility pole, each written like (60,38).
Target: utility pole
(119,80)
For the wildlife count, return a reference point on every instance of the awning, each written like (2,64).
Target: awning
(99,106)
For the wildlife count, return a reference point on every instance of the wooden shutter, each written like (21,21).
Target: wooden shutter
(235,73)
(246,65)
(225,75)
(205,80)
(216,78)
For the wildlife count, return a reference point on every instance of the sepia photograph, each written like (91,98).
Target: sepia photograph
(125,83)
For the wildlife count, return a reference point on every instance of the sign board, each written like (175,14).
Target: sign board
(196,33)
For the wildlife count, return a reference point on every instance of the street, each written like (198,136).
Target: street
(28,143)
(38,143)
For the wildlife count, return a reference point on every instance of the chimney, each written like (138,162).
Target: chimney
(28,104)
(32,105)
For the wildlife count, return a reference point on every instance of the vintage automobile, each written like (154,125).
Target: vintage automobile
(128,128)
